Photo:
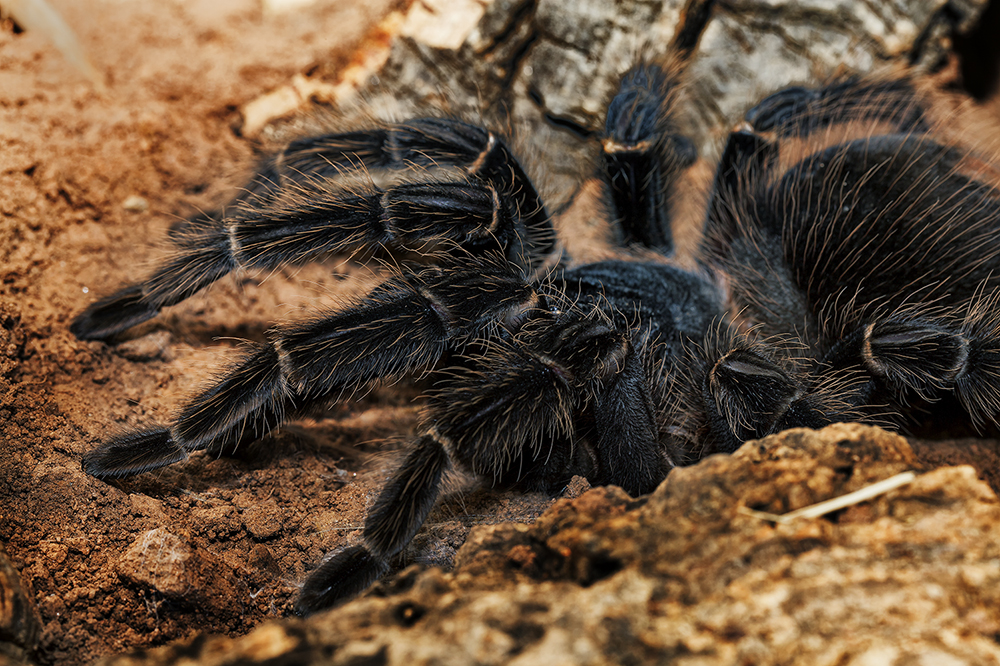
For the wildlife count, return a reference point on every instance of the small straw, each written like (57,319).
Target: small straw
(830,505)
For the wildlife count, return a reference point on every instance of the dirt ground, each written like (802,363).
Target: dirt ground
(89,183)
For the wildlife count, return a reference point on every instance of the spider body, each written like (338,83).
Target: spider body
(848,264)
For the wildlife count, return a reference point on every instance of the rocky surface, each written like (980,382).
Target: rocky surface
(687,575)
(19,623)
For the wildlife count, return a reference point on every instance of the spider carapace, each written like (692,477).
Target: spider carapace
(848,265)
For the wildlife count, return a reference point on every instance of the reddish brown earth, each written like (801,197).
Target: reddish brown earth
(89,182)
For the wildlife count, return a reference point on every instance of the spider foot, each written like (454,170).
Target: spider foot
(113,314)
(345,575)
(133,453)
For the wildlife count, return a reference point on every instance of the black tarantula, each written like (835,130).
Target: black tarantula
(848,265)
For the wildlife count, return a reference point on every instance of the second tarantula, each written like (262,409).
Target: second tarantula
(849,264)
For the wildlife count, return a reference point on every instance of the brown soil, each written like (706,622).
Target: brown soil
(89,182)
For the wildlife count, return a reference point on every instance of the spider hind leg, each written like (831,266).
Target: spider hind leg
(797,111)
(244,404)
(838,248)
(123,309)
(136,452)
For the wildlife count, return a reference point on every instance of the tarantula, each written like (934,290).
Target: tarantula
(848,265)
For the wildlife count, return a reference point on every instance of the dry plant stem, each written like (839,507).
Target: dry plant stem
(836,503)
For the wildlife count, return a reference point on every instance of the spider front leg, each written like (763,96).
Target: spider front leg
(398,513)
(750,392)
(403,326)
(745,389)
(300,207)
(732,388)
(835,247)
(741,389)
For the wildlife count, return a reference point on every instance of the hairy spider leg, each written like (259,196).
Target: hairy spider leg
(751,153)
(298,209)
(743,390)
(306,225)
(751,391)
(800,112)
(869,224)
(644,154)
(420,143)
(911,352)
(430,142)
(402,327)
(249,400)
(397,514)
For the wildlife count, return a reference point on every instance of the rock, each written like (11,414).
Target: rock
(155,345)
(686,576)
(135,204)
(148,507)
(263,521)
(20,625)
(179,570)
